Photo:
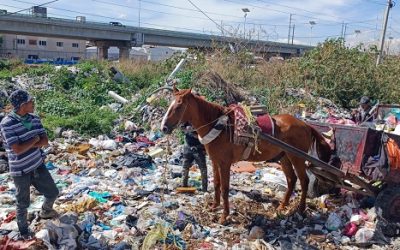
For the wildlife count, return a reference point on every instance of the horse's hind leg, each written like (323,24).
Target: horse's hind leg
(300,168)
(224,171)
(291,179)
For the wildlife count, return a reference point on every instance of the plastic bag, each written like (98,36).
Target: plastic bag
(364,235)
(334,222)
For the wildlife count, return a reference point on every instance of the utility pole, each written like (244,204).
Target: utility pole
(385,21)
(139,11)
(312,23)
(293,33)
(344,33)
(342,30)
(245,10)
(290,27)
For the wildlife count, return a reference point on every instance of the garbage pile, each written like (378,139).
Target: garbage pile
(25,82)
(325,111)
(123,193)
(386,118)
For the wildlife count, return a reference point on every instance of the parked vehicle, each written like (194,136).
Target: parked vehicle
(117,24)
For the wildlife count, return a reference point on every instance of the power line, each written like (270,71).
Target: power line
(288,13)
(218,25)
(121,5)
(295,8)
(149,10)
(336,24)
(163,26)
(194,10)
(31,7)
(125,20)
(11,6)
(166,5)
(395,31)
(195,17)
(376,2)
(111,18)
(315,37)
(15,7)
(220,14)
(280,11)
(74,11)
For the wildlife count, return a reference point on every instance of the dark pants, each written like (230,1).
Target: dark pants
(198,155)
(44,183)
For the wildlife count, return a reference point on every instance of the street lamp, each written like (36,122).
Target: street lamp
(245,10)
(312,23)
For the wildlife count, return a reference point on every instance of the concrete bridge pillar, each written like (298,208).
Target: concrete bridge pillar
(124,52)
(102,52)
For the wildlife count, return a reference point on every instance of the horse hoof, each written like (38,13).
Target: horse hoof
(281,208)
(223,220)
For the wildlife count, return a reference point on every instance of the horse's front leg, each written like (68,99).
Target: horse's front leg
(224,171)
(217,187)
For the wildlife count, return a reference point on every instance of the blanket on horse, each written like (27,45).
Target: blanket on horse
(242,121)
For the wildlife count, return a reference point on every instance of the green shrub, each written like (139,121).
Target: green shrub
(91,123)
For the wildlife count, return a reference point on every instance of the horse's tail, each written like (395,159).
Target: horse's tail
(324,150)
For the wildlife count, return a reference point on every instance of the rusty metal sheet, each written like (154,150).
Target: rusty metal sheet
(353,144)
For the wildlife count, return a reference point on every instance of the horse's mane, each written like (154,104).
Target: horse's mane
(210,110)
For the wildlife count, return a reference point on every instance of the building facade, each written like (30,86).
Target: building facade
(32,47)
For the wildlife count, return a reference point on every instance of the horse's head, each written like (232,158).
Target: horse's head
(178,111)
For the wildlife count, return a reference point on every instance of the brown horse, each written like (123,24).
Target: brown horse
(223,153)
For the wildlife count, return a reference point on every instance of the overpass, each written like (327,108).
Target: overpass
(104,35)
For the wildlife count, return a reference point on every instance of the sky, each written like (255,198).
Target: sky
(314,21)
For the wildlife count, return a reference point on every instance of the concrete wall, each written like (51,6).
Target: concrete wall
(159,53)
(144,54)
(32,46)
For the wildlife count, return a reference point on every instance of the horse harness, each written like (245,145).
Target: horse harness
(243,132)
(215,131)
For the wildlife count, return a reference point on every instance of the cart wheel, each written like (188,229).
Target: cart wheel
(389,201)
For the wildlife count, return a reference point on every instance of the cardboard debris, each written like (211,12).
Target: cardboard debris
(243,166)
(80,149)
(186,189)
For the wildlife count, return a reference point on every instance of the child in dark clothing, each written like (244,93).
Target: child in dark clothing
(193,151)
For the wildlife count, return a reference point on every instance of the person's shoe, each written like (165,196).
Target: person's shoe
(48,214)
(26,236)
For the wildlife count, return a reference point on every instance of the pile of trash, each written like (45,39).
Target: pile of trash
(325,111)
(387,117)
(123,193)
